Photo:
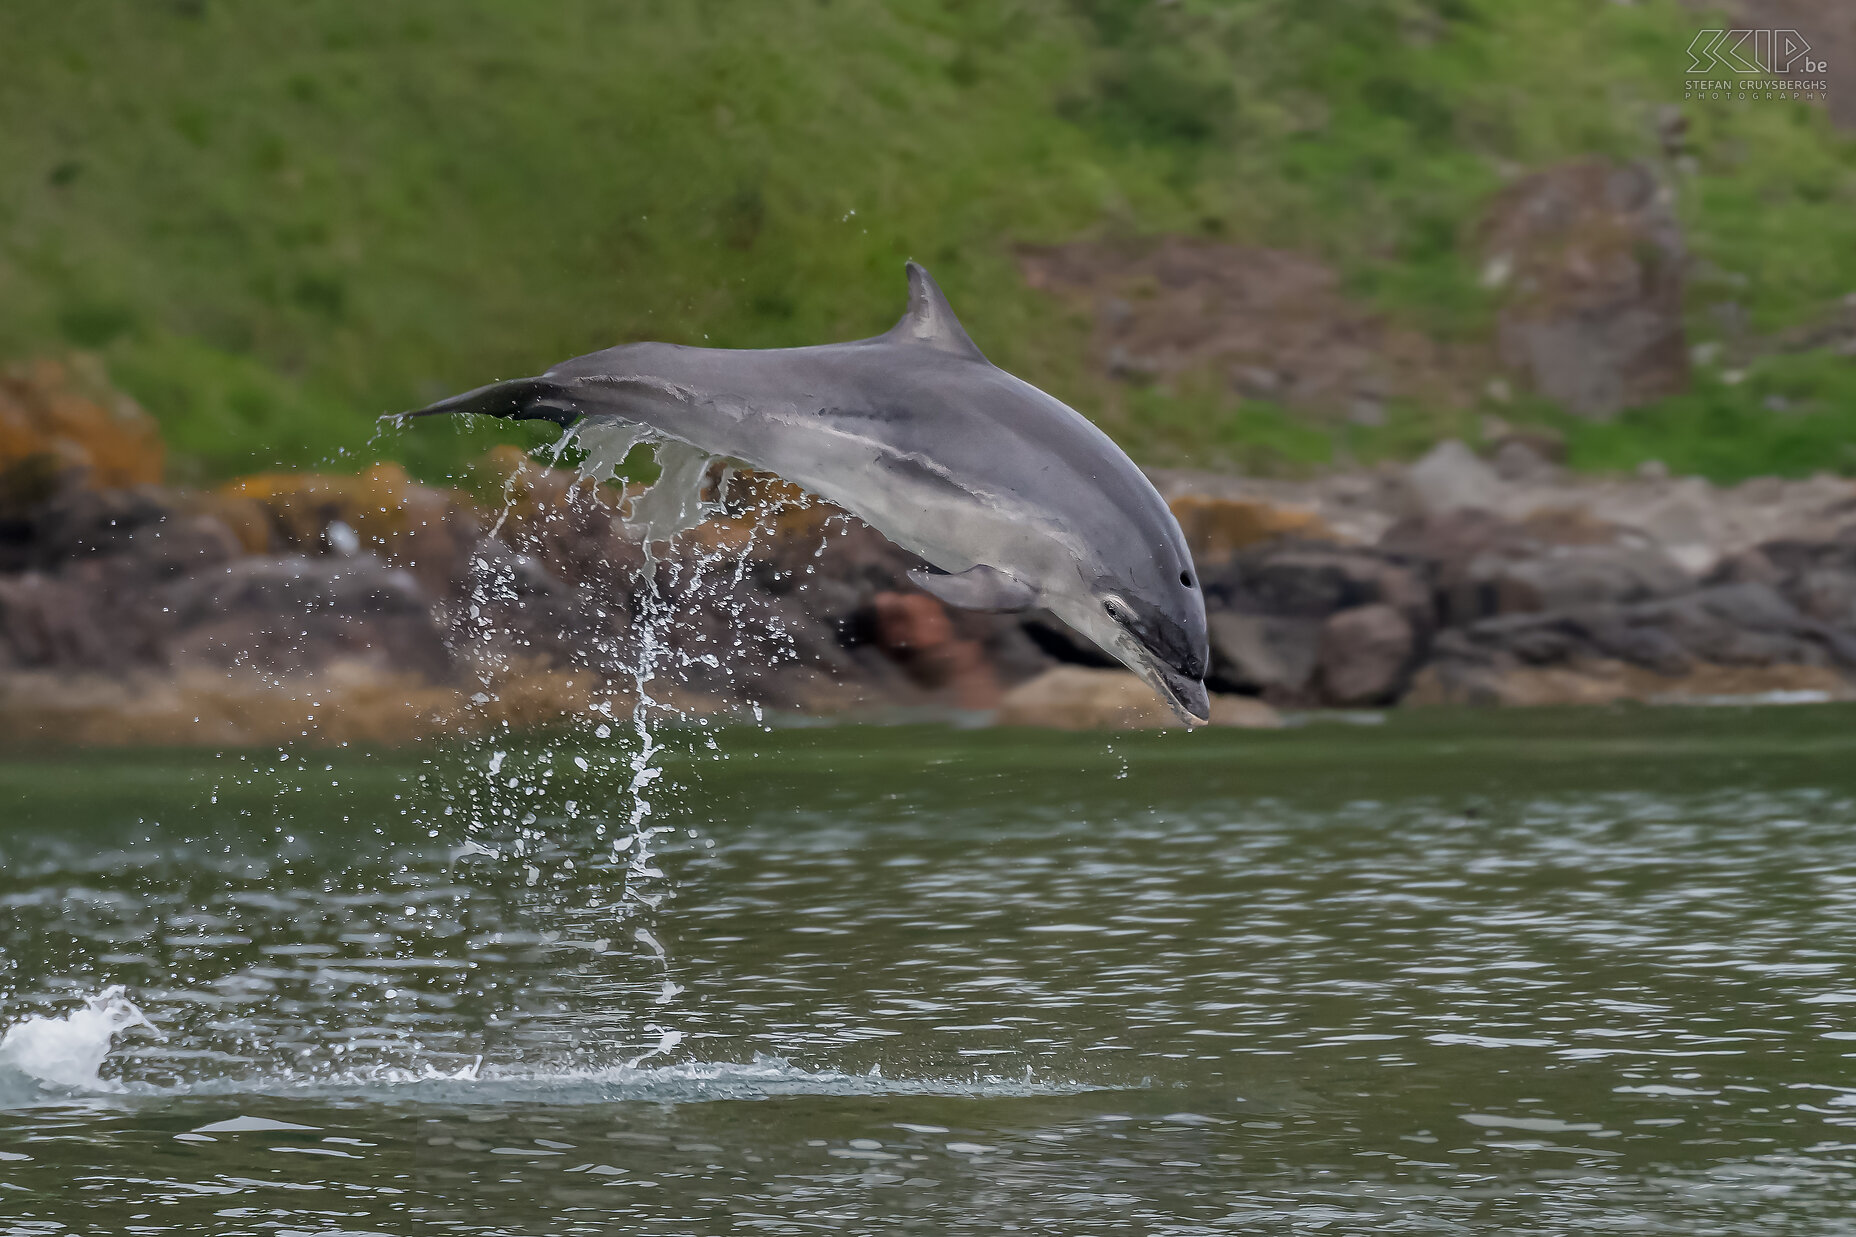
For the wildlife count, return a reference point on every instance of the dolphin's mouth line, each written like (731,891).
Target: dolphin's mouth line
(1185,696)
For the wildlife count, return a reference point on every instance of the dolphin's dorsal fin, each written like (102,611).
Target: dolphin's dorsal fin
(930,320)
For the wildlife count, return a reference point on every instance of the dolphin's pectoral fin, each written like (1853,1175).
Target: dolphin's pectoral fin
(607,441)
(674,502)
(978,588)
(931,321)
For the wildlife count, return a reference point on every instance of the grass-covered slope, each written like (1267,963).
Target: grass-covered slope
(276,221)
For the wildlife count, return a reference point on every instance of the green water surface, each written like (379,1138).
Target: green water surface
(1551,972)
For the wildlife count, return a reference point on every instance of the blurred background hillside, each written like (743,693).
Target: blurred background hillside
(1271,235)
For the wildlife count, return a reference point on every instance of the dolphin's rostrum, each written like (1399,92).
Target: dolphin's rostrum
(1018,498)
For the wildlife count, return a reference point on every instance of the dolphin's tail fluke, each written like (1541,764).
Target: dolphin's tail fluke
(519,399)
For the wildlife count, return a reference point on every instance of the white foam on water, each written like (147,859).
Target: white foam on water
(40,1054)
(46,1059)
(49,1059)
(685,1082)
(1748,699)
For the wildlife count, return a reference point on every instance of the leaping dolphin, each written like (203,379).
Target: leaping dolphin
(1017,497)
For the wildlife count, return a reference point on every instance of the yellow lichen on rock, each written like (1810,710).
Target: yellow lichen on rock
(410,525)
(1215,527)
(66,411)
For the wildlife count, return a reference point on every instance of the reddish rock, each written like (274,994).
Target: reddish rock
(910,621)
(915,629)
(964,670)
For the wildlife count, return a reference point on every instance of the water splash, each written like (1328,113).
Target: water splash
(640,665)
(40,1054)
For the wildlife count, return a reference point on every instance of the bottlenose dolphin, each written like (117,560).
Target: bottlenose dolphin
(1017,497)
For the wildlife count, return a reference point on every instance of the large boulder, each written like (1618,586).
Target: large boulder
(1266,610)
(292,613)
(1366,655)
(1262,654)
(1818,577)
(1673,645)
(1310,580)
(1482,565)
(71,522)
(1591,262)
(1749,623)
(1563,577)
(1451,476)
(46,621)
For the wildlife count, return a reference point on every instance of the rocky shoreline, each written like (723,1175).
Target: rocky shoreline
(370,608)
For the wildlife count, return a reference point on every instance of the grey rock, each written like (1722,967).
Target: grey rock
(1563,577)
(1312,581)
(290,613)
(50,622)
(1827,594)
(180,544)
(1366,655)
(1593,261)
(1609,634)
(294,584)
(1517,459)
(1259,654)
(83,523)
(1450,476)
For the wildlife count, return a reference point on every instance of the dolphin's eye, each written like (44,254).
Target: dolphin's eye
(1185,578)
(1116,610)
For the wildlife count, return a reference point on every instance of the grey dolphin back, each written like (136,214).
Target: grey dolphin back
(585,386)
(813,415)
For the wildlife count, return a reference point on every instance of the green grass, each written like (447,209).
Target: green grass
(1792,415)
(276,222)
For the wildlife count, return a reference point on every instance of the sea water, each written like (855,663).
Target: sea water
(1526,973)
